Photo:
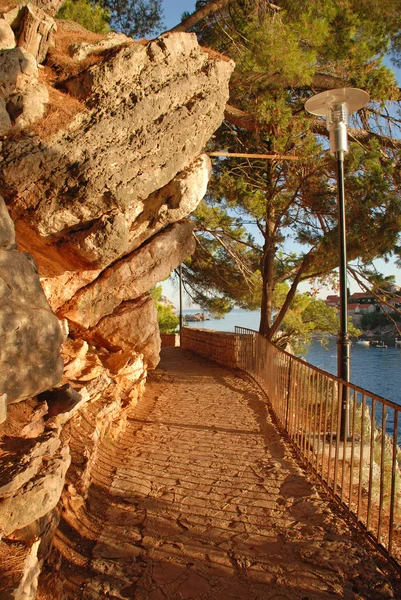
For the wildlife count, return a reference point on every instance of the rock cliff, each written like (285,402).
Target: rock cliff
(101,163)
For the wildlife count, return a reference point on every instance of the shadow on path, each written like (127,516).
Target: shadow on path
(205,501)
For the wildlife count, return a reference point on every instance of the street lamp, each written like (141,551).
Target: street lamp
(181,318)
(336,105)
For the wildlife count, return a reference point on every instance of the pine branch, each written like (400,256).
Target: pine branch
(198,15)
(209,9)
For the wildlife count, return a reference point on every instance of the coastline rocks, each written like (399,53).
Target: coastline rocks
(197,317)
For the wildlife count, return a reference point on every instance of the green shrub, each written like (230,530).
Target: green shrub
(166,317)
(91,16)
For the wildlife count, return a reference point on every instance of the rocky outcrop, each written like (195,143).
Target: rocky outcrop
(132,276)
(31,336)
(197,317)
(101,165)
(137,134)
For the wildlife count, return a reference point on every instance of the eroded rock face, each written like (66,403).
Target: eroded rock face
(117,233)
(131,327)
(31,336)
(37,498)
(150,111)
(23,96)
(26,33)
(100,201)
(132,276)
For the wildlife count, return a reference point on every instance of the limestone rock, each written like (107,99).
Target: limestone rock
(36,32)
(10,12)
(117,361)
(132,327)
(19,569)
(106,241)
(24,98)
(30,575)
(7,38)
(130,378)
(116,234)
(60,400)
(51,7)
(29,106)
(23,459)
(132,276)
(5,121)
(74,354)
(3,407)
(13,10)
(36,498)
(80,50)
(7,232)
(64,328)
(31,336)
(150,110)
(95,387)
(63,403)
(61,288)
(25,419)
(17,69)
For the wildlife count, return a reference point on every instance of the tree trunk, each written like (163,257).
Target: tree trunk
(198,15)
(268,281)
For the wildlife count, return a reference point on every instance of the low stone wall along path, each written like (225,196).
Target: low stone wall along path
(205,501)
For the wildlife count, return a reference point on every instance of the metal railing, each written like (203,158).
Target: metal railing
(362,472)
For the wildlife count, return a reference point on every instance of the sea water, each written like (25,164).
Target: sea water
(374,369)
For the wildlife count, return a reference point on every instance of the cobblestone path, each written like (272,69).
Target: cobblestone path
(208,503)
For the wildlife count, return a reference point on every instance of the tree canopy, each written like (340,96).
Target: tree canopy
(90,15)
(135,18)
(265,223)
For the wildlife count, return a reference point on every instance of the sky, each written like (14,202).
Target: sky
(173,10)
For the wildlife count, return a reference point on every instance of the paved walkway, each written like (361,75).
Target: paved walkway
(208,503)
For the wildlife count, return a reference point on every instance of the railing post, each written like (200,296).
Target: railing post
(288,382)
(288,393)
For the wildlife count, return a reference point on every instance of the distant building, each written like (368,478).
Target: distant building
(333,300)
(361,303)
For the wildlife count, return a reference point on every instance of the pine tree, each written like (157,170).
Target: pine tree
(135,18)
(285,52)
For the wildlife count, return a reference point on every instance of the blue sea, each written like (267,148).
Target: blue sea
(374,369)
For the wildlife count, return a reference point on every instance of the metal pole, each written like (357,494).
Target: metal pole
(343,342)
(335,105)
(180,270)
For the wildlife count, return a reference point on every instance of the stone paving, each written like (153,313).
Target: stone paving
(207,502)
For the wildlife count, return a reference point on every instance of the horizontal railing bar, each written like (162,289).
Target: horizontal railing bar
(352,386)
(362,472)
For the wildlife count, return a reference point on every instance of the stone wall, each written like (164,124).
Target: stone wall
(222,347)
(170,340)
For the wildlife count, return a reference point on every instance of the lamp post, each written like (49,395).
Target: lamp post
(336,105)
(180,272)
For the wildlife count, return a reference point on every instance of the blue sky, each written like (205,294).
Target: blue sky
(173,10)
